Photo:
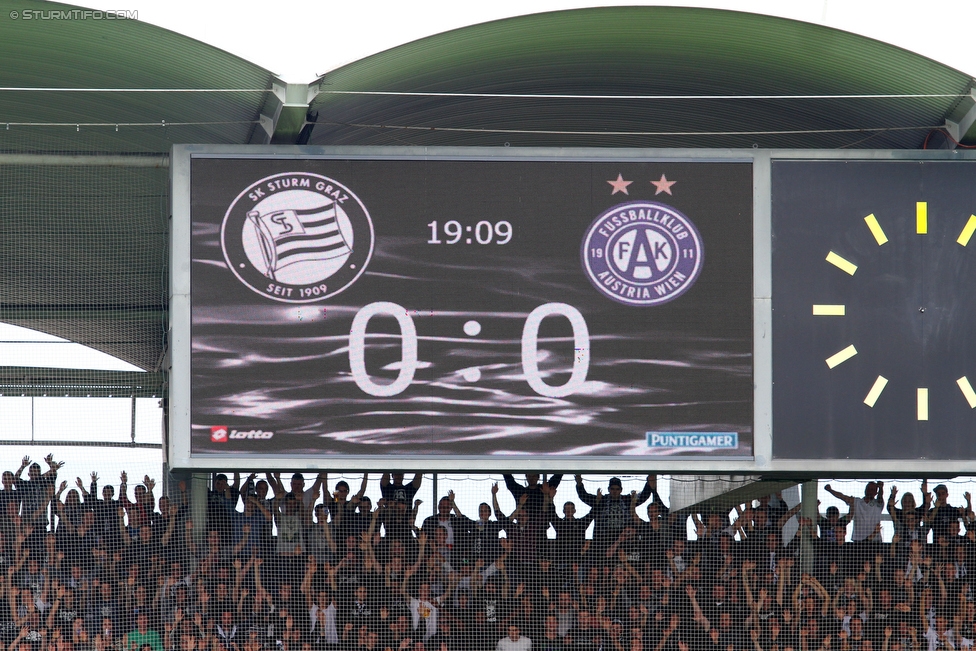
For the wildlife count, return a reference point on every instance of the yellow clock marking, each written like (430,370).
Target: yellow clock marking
(875,392)
(876,230)
(842,264)
(841,356)
(922,399)
(967,391)
(829,310)
(967,231)
(921,217)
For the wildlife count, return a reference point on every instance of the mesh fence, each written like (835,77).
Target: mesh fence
(476,562)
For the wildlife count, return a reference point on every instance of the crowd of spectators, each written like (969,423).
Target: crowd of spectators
(301,567)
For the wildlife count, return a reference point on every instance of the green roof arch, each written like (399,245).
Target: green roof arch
(643,51)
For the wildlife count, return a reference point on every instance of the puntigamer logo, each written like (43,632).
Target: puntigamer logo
(642,253)
(297,237)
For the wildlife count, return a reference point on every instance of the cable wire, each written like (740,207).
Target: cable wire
(628,133)
(391,93)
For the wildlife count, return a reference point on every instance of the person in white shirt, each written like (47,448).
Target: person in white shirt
(940,636)
(514,641)
(867,511)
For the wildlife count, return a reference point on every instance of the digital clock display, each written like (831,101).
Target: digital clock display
(429,307)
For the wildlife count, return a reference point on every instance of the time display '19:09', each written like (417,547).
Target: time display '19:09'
(484,232)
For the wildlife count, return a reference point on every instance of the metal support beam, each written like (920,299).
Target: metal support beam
(282,117)
(81,444)
(79,383)
(84,160)
(961,124)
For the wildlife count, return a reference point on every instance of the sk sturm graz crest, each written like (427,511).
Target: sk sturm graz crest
(297,237)
(642,253)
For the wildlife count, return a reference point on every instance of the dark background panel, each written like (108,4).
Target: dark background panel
(819,206)
(682,366)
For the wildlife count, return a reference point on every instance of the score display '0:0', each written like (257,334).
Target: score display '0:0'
(408,349)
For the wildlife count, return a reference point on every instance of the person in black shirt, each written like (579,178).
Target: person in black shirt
(571,545)
(396,490)
(943,517)
(106,513)
(533,489)
(908,520)
(9,494)
(481,535)
(612,512)
(35,492)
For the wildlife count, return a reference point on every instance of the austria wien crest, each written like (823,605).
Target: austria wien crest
(642,253)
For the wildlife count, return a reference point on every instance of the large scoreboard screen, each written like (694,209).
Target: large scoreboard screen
(338,306)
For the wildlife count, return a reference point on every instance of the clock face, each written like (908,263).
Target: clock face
(370,307)
(874,316)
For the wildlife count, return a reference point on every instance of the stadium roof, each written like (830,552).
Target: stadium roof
(772,82)
(84,240)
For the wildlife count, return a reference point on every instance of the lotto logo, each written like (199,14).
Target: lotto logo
(251,434)
(222,434)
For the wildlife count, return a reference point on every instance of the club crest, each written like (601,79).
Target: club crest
(297,237)
(642,253)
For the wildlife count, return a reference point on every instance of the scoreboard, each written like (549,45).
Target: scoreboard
(601,310)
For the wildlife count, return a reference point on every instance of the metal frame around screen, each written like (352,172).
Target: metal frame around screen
(761,463)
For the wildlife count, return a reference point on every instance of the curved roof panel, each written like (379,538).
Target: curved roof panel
(640,51)
(57,47)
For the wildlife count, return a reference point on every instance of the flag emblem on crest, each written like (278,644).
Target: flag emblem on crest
(297,237)
(292,236)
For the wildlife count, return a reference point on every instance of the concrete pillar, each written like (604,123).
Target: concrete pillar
(811,510)
(199,486)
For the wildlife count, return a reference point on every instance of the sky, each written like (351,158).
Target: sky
(300,40)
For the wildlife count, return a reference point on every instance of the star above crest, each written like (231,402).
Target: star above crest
(619,185)
(664,185)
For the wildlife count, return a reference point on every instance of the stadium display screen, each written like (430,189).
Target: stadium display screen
(359,307)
